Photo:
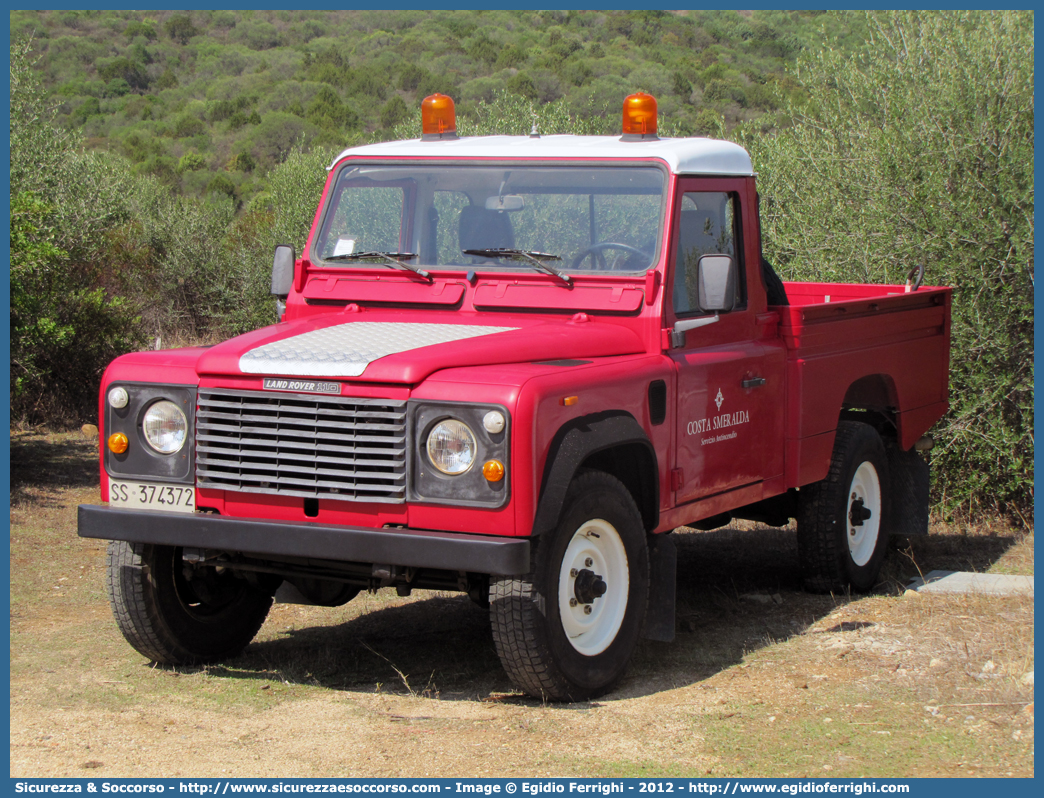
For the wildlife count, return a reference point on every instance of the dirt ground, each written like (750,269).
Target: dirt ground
(761,680)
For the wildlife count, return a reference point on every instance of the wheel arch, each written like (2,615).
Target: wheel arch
(874,400)
(610,441)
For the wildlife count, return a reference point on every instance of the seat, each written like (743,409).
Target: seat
(479,228)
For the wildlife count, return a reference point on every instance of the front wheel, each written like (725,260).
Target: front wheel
(177,620)
(566,630)
(842,529)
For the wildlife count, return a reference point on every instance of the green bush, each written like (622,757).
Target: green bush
(411,76)
(180,28)
(512,56)
(522,85)
(921,151)
(122,68)
(283,217)
(184,284)
(191,161)
(117,87)
(241,162)
(187,125)
(256,34)
(368,82)
(483,49)
(162,167)
(167,80)
(327,110)
(222,184)
(141,28)
(68,317)
(394,112)
(480,90)
(88,108)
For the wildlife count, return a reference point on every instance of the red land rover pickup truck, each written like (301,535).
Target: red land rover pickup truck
(511,366)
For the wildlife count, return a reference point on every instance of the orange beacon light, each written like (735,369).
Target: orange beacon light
(639,116)
(438,117)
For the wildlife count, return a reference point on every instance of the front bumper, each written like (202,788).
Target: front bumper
(418,548)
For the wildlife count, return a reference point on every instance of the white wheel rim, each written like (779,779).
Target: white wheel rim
(596,546)
(864,493)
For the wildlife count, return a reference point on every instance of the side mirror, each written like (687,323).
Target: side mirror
(283,271)
(716,275)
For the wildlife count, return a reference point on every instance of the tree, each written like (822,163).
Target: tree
(277,134)
(921,151)
(394,112)
(191,161)
(67,319)
(326,110)
(283,216)
(167,80)
(37,143)
(132,72)
(144,28)
(523,85)
(180,28)
(411,76)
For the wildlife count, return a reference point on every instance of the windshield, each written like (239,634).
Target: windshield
(573,219)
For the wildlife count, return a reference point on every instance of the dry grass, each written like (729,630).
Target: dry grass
(879,685)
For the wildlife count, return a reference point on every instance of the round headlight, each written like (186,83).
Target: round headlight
(451,446)
(165,427)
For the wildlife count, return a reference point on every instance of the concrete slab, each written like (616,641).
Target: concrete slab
(965,582)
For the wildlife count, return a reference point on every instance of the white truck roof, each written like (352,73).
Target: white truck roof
(682,156)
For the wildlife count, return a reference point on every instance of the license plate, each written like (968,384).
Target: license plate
(143,496)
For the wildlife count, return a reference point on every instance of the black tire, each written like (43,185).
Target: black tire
(911,480)
(842,525)
(543,657)
(170,621)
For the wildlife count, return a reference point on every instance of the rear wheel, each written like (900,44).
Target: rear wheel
(566,630)
(842,535)
(176,620)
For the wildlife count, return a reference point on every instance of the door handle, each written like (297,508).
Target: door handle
(753,382)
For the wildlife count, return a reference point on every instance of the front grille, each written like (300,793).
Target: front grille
(301,445)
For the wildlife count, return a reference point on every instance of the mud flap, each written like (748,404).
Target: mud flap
(663,568)
(910,477)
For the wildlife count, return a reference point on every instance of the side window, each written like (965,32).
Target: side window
(707,225)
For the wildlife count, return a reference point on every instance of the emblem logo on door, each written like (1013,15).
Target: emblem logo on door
(719,399)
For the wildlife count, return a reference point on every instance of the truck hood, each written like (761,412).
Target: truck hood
(383,347)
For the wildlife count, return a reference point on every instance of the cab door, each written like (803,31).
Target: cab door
(727,425)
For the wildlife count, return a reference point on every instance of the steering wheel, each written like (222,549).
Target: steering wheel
(599,258)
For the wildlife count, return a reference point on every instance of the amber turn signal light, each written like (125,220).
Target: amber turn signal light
(118,443)
(493,471)
(438,115)
(639,115)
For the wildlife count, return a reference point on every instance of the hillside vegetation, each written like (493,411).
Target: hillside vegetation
(210,101)
(156,159)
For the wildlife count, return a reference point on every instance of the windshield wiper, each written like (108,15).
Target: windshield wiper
(535,258)
(391,257)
